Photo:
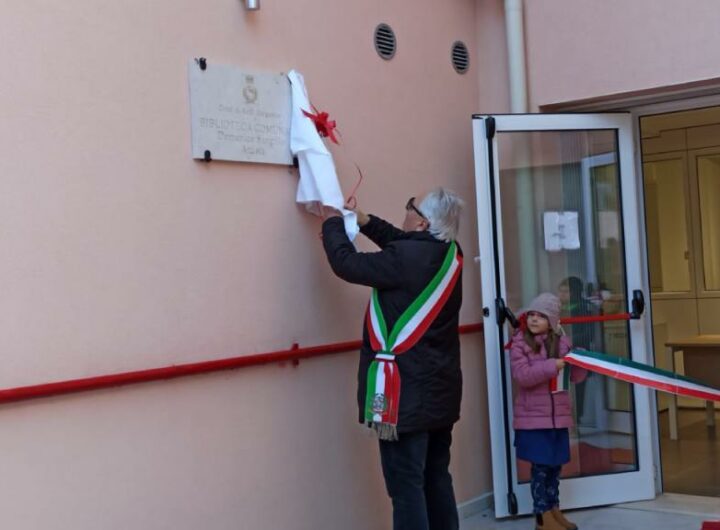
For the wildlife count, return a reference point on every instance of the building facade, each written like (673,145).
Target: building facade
(123,253)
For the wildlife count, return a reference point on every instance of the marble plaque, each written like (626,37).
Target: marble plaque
(239,115)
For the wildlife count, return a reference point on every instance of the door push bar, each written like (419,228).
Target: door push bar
(637,304)
(637,308)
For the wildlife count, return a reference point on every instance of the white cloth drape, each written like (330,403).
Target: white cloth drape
(318,180)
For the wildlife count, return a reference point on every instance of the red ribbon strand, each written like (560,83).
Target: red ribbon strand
(324,125)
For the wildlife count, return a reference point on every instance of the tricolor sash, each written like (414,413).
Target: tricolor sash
(383,381)
(561,382)
(642,374)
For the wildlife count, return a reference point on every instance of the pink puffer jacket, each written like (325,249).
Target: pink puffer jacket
(536,407)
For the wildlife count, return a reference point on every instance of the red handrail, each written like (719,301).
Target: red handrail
(294,355)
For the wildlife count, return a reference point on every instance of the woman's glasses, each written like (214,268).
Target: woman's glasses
(411,206)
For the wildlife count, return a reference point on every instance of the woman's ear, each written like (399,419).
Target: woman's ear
(419,225)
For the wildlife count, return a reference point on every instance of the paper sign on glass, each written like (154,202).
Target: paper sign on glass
(561,231)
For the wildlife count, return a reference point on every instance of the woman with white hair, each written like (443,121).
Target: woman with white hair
(409,379)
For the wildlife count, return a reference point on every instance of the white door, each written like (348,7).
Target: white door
(558,211)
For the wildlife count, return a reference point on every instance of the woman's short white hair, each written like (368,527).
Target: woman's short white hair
(442,208)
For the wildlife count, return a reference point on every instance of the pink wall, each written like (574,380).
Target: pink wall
(122,253)
(580,49)
(492,62)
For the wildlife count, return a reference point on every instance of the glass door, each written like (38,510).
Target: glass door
(558,211)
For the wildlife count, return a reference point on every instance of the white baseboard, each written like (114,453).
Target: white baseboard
(474,506)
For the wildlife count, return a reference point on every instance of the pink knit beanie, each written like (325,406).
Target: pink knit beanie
(549,305)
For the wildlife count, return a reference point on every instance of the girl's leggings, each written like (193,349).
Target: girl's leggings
(544,486)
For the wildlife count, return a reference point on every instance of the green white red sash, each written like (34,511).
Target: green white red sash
(642,374)
(383,381)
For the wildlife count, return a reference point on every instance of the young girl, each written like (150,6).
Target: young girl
(541,416)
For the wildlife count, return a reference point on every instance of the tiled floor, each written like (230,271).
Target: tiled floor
(669,512)
(691,464)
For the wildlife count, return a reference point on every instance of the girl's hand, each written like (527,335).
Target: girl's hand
(560,364)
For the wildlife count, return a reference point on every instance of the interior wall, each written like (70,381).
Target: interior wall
(668,222)
(672,319)
(681,308)
(122,253)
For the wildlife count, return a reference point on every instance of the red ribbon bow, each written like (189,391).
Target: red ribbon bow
(326,129)
(324,125)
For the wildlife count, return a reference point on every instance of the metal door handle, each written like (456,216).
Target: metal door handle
(637,304)
(503,313)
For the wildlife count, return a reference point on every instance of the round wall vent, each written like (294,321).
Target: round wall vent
(385,43)
(460,57)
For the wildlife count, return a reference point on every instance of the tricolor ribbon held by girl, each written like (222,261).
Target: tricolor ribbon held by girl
(561,382)
(641,374)
(382,400)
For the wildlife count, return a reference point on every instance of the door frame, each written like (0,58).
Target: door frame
(662,101)
(638,111)
(493,281)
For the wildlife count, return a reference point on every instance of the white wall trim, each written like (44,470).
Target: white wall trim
(474,506)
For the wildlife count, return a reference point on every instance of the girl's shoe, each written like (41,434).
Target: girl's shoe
(546,521)
(560,518)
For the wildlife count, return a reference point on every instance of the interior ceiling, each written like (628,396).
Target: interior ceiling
(652,126)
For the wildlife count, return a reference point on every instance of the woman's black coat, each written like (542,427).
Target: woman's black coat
(431,381)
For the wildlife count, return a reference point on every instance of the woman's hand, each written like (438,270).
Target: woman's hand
(560,364)
(362,217)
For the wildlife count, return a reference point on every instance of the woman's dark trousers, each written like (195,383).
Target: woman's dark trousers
(418,481)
